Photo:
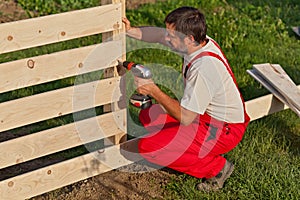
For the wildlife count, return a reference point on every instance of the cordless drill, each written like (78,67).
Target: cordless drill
(139,100)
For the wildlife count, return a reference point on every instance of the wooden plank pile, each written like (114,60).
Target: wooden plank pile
(277,81)
(296,29)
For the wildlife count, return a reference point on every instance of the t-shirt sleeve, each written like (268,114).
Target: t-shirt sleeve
(196,95)
(154,35)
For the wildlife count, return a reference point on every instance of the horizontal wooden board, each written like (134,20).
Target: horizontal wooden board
(296,29)
(64,173)
(59,102)
(45,68)
(59,27)
(61,138)
(276,93)
(264,106)
(275,79)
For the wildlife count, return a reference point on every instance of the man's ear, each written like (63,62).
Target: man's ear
(190,39)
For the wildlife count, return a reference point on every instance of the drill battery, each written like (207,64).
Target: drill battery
(140,101)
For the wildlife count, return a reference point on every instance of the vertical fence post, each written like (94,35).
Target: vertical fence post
(111,72)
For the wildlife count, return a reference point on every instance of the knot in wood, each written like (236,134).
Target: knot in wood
(116,26)
(10,184)
(10,38)
(30,63)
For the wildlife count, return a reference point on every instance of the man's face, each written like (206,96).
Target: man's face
(176,43)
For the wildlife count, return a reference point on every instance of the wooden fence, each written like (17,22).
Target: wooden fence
(23,113)
(29,112)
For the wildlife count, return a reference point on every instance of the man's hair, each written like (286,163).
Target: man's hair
(188,21)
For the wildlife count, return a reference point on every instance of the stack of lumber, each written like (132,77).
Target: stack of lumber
(296,29)
(277,81)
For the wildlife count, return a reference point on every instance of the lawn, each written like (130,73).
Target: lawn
(250,32)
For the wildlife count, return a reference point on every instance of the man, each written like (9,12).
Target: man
(192,134)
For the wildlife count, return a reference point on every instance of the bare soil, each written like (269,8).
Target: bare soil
(117,184)
(11,11)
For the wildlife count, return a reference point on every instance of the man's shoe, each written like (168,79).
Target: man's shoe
(217,182)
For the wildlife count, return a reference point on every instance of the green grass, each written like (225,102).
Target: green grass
(267,161)
(266,165)
(250,32)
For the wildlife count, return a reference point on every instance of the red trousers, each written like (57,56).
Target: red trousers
(195,149)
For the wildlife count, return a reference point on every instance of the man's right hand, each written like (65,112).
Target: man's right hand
(127,24)
(134,32)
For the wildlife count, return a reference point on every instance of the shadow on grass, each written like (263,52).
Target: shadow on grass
(286,128)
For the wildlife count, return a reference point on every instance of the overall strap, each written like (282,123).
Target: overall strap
(207,53)
(225,63)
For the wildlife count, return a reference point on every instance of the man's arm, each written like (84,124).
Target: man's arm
(149,34)
(172,106)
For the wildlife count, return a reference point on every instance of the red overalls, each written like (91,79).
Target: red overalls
(195,149)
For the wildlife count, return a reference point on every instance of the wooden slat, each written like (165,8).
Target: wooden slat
(269,87)
(280,81)
(110,72)
(65,173)
(59,27)
(263,106)
(296,29)
(275,79)
(59,102)
(54,140)
(45,68)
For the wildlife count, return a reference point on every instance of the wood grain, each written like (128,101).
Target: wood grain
(54,140)
(58,102)
(59,27)
(59,65)
(275,79)
(65,173)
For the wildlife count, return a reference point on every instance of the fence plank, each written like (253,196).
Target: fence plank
(59,27)
(64,173)
(254,73)
(59,102)
(45,68)
(263,106)
(112,35)
(54,140)
(281,83)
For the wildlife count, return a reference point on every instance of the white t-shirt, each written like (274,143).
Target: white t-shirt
(210,88)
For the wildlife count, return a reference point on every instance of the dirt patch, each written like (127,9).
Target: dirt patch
(11,11)
(117,184)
